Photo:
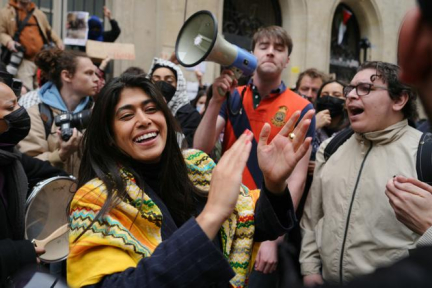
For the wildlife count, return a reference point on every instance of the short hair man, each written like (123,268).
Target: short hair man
(32,38)
(309,82)
(348,225)
(410,198)
(264,99)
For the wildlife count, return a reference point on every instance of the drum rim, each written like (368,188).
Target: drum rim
(36,189)
(42,183)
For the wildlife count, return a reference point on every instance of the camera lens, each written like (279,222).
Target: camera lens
(15,62)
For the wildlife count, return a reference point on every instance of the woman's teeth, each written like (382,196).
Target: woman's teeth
(146,136)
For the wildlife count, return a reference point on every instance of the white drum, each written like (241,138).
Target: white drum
(46,217)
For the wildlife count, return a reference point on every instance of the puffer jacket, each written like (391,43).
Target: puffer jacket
(348,226)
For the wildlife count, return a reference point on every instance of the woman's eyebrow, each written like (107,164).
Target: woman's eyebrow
(131,107)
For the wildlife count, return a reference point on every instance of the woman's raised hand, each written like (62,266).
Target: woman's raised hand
(278,158)
(225,185)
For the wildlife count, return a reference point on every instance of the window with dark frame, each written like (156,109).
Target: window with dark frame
(345,44)
(94,7)
(242,18)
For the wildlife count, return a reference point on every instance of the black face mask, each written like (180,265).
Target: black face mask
(18,127)
(333,104)
(167,90)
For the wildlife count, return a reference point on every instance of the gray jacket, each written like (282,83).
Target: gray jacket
(348,226)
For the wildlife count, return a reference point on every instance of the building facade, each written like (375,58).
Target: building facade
(334,36)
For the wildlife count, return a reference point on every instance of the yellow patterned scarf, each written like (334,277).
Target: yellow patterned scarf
(132,229)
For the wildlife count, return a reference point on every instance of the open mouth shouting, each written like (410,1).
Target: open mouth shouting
(354,111)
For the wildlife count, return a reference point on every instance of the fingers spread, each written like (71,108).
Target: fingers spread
(303,149)
(239,152)
(289,126)
(264,135)
(300,133)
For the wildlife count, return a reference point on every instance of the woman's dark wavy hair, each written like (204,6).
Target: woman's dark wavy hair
(388,73)
(101,156)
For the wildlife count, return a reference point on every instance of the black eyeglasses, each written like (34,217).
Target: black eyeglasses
(362,89)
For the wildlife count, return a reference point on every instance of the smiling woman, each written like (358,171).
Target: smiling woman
(140,126)
(133,218)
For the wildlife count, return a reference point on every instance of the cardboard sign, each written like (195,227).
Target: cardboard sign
(100,50)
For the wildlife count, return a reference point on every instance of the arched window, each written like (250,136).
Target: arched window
(242,18)
(345,44)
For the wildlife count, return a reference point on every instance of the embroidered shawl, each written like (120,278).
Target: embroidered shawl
(132,229)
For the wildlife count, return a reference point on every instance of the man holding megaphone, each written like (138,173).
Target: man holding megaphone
(264,99)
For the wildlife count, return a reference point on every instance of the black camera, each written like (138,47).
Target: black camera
(15,60)
(13,83)
(67,121)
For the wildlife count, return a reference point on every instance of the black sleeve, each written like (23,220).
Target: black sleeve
(15,255)
(187,259)
(274,215)
(112,35)
(189,119)
(38,170)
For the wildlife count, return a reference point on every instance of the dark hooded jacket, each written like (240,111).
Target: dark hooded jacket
(187,116)
(18,173)
(99,34)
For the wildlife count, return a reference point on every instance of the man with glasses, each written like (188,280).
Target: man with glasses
(349,227)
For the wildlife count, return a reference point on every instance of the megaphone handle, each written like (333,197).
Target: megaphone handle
(237,74)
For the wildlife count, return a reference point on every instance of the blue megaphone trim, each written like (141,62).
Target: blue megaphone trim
(245,61)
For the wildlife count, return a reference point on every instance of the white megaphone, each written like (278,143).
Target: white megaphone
(199,41)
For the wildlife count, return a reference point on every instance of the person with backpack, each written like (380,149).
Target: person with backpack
(25,28)
(349,227)
(72,83)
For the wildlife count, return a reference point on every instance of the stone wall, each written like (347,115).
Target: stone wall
(153,25)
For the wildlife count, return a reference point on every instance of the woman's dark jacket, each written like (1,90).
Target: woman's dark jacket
(20,174)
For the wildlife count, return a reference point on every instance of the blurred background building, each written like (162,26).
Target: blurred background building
(334,36)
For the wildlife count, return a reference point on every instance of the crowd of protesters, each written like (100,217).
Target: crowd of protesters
(323,184)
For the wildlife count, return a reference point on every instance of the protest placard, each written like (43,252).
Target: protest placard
(100,50)
(76,28)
